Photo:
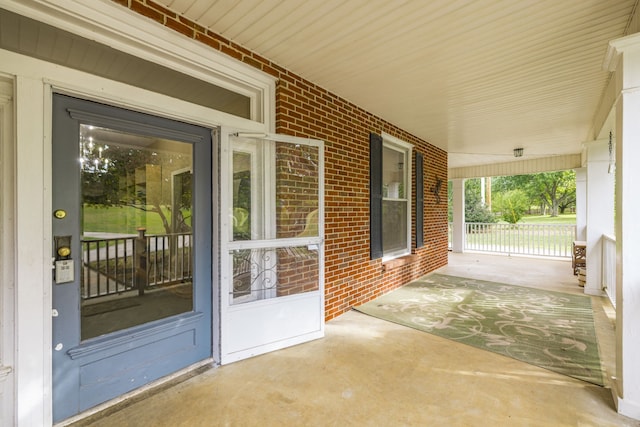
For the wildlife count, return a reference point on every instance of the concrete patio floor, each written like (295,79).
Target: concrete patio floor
(368,372)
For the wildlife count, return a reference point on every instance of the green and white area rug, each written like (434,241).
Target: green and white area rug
(552,330)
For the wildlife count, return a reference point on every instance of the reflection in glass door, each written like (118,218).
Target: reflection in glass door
(136,229)
(272,243)
(247,223)
(132,217)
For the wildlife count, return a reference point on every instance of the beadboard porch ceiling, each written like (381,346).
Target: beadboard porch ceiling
(476,78)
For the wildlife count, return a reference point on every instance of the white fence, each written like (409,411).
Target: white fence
(609,267)
(553,240)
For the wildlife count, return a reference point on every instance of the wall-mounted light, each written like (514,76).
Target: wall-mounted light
(518,152)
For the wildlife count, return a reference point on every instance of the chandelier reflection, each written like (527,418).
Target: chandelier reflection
(92,156)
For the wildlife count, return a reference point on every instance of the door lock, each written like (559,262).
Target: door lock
(64,268)
(64,251)
(63,247)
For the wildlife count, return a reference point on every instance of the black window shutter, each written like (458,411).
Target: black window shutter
(375,189)
(419,201)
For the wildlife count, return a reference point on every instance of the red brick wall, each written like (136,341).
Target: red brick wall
(307,110)
(297,188)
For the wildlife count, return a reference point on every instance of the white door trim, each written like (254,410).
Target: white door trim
(116,26)
(34,82)
(7,259)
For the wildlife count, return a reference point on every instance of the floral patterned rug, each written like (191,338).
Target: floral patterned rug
(551,330)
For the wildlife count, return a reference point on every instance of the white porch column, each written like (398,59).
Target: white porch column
(581,204)
(32,255)
(457,244)
(599,210)
(624,57)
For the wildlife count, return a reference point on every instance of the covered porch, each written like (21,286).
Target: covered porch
(371,372)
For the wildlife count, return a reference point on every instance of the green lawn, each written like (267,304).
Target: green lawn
(121,219)
(546,219)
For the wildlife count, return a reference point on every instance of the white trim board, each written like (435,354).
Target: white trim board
(113,25)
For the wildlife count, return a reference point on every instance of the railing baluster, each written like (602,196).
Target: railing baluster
(162,259)
(173,255)
(126,257)
(164,277)
(98,275)
(107,266)
(155,261)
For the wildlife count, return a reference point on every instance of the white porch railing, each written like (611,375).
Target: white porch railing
(111,266)
(609,267)
(552,240)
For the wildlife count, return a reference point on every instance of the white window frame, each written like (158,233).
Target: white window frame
(389,141)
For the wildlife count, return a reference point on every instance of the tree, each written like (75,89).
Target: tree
(502,184)
(145,180)
(474,209)
(512,205)
(556,190)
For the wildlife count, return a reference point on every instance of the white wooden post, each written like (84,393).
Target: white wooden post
(625,54)
(581,204)
(457,244)
(600,211)
(32,256)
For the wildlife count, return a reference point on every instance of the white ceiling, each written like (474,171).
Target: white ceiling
(476,78)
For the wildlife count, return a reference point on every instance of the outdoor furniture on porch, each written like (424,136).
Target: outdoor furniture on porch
(582,276)
(578,256)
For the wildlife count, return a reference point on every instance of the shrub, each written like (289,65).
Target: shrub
(512,205)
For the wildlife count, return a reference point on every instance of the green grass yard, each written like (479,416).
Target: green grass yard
(546,219)
(121,219)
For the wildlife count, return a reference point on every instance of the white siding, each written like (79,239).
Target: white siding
(521,167)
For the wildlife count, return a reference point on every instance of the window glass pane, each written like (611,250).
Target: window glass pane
(394,226)
(297,190)
(242,195)
(248,213)
(273,272)
(136,229)
(276,195)
(393,173)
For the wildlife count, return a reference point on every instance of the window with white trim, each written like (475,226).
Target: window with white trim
(396,197)
(390,197)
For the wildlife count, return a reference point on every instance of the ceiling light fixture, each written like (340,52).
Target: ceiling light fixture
(518,152)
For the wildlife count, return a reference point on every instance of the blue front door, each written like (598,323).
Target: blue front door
(132,217)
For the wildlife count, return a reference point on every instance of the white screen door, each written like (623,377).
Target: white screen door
(272,272)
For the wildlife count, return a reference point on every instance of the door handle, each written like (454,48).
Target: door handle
(64,251)
(64,269)
(63,247)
